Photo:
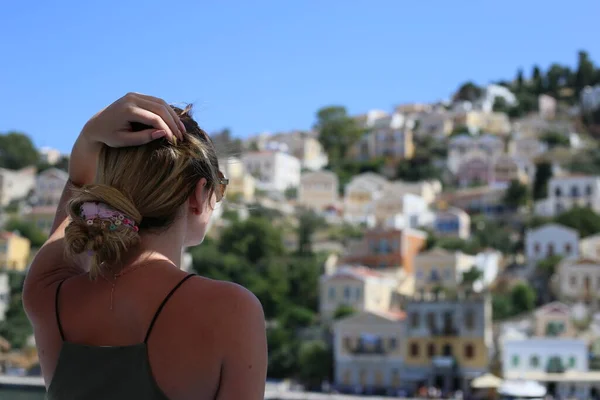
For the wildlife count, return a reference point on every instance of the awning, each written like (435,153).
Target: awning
(486,381)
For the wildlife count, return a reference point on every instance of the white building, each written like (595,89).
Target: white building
(550,240)
(579,280)
(523,357)
(590,247)
(453,222)
(488,262)
(305,147)
(488,97)
(403,211)
(273,170)
(360,195)
(368,351)
(49,186)
(566,192)
(49,155)
(590,98)
(15,185)
(4,294)
(461,146)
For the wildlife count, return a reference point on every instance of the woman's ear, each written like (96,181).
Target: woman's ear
(198,197)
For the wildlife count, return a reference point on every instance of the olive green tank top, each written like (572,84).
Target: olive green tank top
(105,372)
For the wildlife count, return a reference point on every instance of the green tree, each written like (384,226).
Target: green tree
(468,92)
(315,360)
(253,239)
(283,352)
(523,298)
(519,81)
(303,275)
(337,132)
(343,311)
(291,193)
(500,105)
(543,173)
(308,223)
(17,151)
(471,276)
(420,167)
(28,230)
(517,195)
(586,72)
(16,327)
(555,139)
(537,81)
(501,307)
(584,220)
(547,266)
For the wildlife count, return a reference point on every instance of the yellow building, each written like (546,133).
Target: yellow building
(448,341)
(318,190)
(441,268)
(14,251)
(241,183)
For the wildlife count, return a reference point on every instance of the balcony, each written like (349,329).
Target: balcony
(368,345)
(443,362)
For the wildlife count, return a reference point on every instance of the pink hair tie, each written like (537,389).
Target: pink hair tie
(93,212)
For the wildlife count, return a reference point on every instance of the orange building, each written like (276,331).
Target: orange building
(387,248)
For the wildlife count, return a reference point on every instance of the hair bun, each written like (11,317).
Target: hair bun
(105,240)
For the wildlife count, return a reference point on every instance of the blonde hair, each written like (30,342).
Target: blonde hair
(148,184)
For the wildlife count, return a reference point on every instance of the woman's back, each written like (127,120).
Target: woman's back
(106,351)
(116,318)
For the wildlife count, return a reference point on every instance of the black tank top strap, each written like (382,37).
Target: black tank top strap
(56,310)
(163,304)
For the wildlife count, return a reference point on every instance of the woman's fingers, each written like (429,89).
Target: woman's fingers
(163,112)
(166,106)
(142,115)
(141,137)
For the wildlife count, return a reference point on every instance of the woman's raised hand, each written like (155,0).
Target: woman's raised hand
(112,125)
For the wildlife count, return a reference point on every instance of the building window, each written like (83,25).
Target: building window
(358,293)
(573,280)
(414,349)
(515,361)
(572,362)
(431,321)
(431,350)
(414,320)
(470,320)
(392,343)
(574,191)
(557,192)
(469,351)
(536,249)
(346,293)
(568,249)
(588,190)
(331,294)
(348,343)
(550,249)
(447,350)
(534,361)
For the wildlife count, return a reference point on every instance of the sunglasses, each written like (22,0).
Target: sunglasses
(222,183)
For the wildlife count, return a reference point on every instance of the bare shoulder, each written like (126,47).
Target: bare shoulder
(231,303)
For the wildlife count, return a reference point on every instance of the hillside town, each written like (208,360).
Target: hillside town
(430,249)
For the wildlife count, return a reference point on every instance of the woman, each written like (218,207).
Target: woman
(114,317)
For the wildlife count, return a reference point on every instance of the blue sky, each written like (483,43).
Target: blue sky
(263,65)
